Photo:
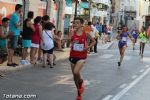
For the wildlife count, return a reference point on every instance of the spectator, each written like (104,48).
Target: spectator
(99,28)
(104,32)
(14,27)
(59,41)
(148,33)
(119,28)
(47,44)
(4,39)
(28,30)
(96,36)
(109,33)
(45,19)
(36,37)
(88,29)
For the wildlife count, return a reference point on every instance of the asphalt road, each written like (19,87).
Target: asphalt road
(102,77)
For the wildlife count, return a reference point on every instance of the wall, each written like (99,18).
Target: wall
(7,7)
(38,7)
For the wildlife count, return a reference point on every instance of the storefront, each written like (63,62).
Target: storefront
(7,7)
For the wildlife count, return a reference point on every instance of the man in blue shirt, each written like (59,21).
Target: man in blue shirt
(99,28)
(14,27)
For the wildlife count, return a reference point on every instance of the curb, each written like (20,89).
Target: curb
(9,70)
(22,67)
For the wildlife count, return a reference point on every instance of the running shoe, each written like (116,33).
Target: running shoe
(141,55)
(119,64)
(79,98)
(81,86)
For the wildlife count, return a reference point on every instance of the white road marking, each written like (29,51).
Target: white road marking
(106,56)
(146,59)
(141,71)
(107,97)
(123,86)
(134,77)
(147,66)
(125,90)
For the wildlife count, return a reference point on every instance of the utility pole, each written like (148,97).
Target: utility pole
(76,7)
(90,9)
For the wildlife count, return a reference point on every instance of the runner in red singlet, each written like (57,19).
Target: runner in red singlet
(78,54)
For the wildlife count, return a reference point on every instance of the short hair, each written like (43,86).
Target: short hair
(58,32)
(18,6)
(45,18)
(89,23)
(5,20)
(81,19)
(30,14)
(48,26)
(37,19)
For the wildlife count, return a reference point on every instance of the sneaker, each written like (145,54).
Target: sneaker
(54,64)
(79,98)
(81,86)
(15,64)
(141,55)
(51,66)
(27,62)
(119,64)
(23,62)
(11,65)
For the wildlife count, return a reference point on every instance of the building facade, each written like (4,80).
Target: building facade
(54,8)
(131,12)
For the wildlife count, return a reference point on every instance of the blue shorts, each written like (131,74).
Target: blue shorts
(135,36)
(26,43)
(13,42)
(122,44)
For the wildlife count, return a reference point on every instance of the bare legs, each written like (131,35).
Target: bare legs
(76,69)
(122,50)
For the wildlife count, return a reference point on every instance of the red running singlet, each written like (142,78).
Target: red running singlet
(78,45)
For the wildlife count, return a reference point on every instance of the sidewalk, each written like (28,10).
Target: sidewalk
(59,56)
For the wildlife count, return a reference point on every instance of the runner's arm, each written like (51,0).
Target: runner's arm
(131,37)
(118,37)
(92,43)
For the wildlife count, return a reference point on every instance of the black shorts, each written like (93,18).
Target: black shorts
(74,60)
(48,51)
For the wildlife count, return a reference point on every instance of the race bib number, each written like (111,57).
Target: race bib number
(78,47)
(124,39)
(134,33)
